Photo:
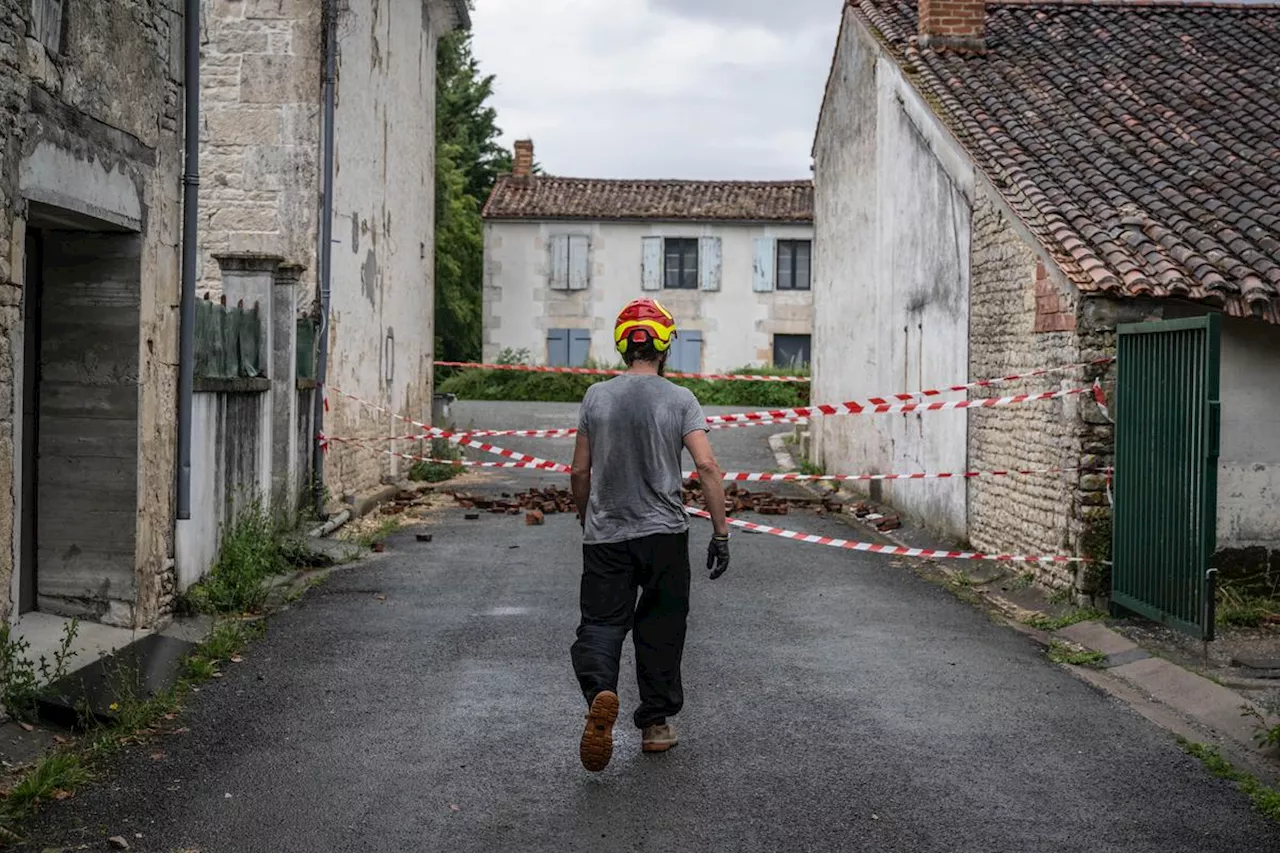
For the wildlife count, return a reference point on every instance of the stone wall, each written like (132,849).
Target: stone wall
(1023,316)
(78,152)
(260,67)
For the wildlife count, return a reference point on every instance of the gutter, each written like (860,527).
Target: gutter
(324,254)
(190,228)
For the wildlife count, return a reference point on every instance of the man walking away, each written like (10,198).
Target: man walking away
(627,487)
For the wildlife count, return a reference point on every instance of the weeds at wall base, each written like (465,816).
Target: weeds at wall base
(1265,799)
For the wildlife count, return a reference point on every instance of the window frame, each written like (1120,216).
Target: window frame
(688,277)
(792,245)
(808,347)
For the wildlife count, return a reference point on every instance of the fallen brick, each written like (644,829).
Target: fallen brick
(533,517)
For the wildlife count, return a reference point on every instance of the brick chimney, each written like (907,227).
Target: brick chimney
(523,167)
(954,24)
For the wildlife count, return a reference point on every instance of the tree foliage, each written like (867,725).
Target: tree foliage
(468,161)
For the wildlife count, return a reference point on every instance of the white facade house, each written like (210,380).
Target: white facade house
(731,260)
(957,240)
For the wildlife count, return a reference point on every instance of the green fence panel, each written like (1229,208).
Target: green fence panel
(1166,477)
(229,341)
(306,342)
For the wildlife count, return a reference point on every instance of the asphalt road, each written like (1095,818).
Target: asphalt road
(835,701)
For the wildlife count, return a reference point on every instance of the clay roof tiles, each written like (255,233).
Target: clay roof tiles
(1140,142)
(549,197)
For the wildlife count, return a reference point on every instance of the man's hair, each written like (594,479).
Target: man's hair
(643,352)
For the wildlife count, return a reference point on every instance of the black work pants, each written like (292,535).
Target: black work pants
(657,566)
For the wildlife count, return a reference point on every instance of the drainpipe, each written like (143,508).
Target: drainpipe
(324,254)
(190,209)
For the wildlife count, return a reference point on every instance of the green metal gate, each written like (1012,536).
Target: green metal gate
(1166,477)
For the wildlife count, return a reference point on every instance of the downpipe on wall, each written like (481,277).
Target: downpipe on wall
(324,252)
(190,227)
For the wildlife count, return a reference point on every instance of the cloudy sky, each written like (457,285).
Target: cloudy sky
(713,89)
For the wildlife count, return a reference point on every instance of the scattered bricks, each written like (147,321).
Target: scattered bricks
(466,504)
(472,516)
(498,510)
(379,547)
(424,537)
(483,503)
(832,505)
(549,507)
(889,522)
(515,510)
(533,517)
(861,510)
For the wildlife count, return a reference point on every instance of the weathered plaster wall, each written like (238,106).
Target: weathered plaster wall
(737,324)
(382,310)
(891,303)
(61,106)
(260,66)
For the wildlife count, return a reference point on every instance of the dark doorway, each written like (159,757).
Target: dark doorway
(32,286)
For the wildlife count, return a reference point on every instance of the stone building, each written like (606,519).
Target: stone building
(997,187)
(262,200)
(90,213)
(731,259)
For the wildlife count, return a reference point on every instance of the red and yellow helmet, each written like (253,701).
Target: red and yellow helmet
(644,321)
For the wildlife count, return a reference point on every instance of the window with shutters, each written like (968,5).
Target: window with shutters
(680,263)
(793,264)
(568,347)
(570,262)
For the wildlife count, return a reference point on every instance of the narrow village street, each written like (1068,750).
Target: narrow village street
(835,701)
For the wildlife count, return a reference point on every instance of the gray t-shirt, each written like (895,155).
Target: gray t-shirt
(636,426)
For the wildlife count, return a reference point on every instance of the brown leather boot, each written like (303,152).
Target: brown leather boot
(597,735)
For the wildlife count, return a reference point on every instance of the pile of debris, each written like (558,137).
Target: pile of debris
(535,503)
(738,500)
(883,522)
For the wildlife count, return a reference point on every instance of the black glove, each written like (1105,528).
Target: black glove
(718,556)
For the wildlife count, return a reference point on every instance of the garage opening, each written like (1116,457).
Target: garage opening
(79,441)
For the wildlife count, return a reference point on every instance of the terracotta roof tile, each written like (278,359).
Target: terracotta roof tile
(1140,143)
(547,197)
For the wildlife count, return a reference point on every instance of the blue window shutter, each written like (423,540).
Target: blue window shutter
(762,281)
(559,248)
(558,348)
(579,262)
(651,264)
(709,263)
(579,347)
(686,353)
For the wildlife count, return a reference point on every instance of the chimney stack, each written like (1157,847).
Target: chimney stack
(954,24)
(523,167)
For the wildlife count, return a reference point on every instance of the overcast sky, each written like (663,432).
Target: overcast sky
(713,89)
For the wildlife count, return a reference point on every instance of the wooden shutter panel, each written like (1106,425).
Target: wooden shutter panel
(762,280)
(709,263)
(558,348)
(651,264)
(579,262)
(579,347)
(559,248)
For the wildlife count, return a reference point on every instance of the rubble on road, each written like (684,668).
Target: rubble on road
(547,501)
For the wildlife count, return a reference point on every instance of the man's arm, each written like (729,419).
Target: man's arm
(580,478)
(711,477)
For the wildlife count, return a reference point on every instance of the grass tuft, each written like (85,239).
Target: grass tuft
(1265,799)
(1057,623)
(254,548)
(1064,653)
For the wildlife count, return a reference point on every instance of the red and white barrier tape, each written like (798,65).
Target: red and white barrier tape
(595,371)
(853,407)
(929,392)
(849,545)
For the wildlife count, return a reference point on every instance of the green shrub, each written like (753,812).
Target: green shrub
(22,680)
(437,472)
(513,385)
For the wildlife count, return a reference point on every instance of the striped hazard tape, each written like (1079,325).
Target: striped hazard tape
(740,377)
(873,548)
(854,407)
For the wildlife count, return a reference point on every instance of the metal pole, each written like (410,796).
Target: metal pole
(190,223)
(324,256)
